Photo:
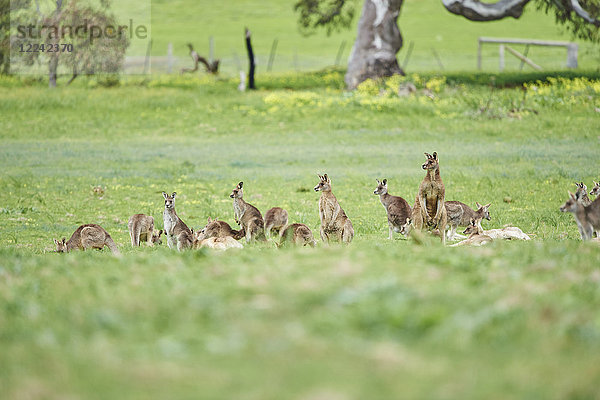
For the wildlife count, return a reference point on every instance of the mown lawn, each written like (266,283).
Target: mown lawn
(377,319)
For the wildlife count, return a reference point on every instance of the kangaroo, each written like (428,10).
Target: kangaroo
(178,234)
(89,236)
(396,207)
(216,243)
(429,208)
(476,236)
(459,214)
(334,221)
(219,229)
(141,228)
(297,234)
(581,194)
(587,217)
(596,189)
(408,227)
(508,233)
(276,218)
(247,216)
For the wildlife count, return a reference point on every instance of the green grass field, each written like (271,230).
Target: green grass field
(377,319)
(424,22)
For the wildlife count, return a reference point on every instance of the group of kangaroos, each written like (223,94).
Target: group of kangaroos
(430,212)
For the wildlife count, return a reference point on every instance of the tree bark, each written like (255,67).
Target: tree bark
(478,11)
(52,70)
(250,60)
(378,40)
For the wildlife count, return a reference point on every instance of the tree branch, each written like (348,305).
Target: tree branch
(478,11)
(584,14)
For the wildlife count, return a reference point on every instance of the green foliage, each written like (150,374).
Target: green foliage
(564,15)
(331,15)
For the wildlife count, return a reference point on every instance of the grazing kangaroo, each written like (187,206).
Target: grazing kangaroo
(596,189)
(476,236)
(89,236)
(275,219)
(459,214)
(408,227)
(581,194)
(298,235)
(587,217)
(429,208)
(396,207)
(334,221)
(141,229)
(178,234)
(247,216)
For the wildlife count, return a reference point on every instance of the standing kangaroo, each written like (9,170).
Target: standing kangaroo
(429,208)
(397,209)
(275,219)
(141,228)
(247,216)
(178,234)
(460,214)
(587,217)
(297,234)
(89,236)
(581,194)
(334,222)
(476,235)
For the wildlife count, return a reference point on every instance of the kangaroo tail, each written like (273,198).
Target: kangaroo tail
(111,245)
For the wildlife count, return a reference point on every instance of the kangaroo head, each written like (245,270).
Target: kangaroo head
(596,189)
(483,211)
(581,190)
(432,162)
(381,187)
(407,227)
(61,245)
(324,184)
(237,192)
(169,200)
(472,227)
(571,204)
(156,237)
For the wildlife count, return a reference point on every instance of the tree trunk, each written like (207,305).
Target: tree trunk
(52,68)
(378,40)
(251,61)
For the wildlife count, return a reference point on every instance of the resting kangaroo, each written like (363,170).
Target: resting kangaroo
(141,228)
(476,236)
(89,236)
(297,234)
(275,219)
(460,214)
(247,216)
(178,234)
(581,194)
(219,229)
(334,222)
(587,217)
(429,210)
(396,207)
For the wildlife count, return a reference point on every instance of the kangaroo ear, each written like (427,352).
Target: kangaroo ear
(160,232)
(472,221)
(174,194)
(326,177)
(64,240)
(165,195)
(478,205)
(240,185)
(487,206)
(378,182)
(571,195)
(385,181)
(209,220)
(435,155)
(427,155)
(55,241)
